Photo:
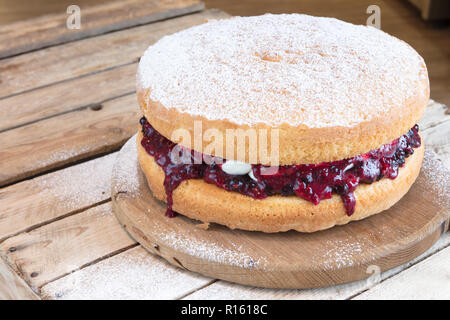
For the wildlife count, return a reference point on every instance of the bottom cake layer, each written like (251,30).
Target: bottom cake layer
(199,200)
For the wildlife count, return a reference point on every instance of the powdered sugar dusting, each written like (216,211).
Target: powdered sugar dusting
(342,253)
(126,170)
(211,251)
(275,69)
(438,176)
(66,152)
(80,185)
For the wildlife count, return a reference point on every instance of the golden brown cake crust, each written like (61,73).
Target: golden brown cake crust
(199,200)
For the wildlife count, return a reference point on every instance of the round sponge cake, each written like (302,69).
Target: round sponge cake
(332,89)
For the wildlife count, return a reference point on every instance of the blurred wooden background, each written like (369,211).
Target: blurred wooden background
(398,17)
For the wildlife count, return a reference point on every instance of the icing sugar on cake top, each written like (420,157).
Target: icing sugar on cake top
(274,69)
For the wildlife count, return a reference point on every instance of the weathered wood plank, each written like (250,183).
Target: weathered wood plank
(133,274)
(31,203)
(51,65)
(12,287)
(72,136)
(429,279)
(66,96)
(61,247)
(227,290)
(51,29)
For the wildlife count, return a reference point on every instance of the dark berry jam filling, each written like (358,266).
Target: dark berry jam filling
(312,182)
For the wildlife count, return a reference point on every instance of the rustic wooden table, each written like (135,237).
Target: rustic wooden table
(67,104)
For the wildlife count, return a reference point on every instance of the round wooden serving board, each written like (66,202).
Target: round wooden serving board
(282,260)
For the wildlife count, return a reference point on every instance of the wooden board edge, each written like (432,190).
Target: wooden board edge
(254,278)
(393,255)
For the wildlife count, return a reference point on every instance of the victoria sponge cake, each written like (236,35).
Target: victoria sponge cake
(280,122)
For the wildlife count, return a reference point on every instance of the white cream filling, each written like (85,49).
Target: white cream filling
(238,168)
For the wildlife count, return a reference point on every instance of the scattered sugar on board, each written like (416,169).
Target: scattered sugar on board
(289,68)
(126,171)
(133,274)
(211,251)
(438,175)
(79,185)
(341,253)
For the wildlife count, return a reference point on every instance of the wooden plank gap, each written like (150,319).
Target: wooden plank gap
(12,286)
(67,80)
(110,255)
(66,96)
(133,274)
(55,142)
(51,30)
(51,65)
(45,198)
(44,223)
(409,266)
(96,106)
(64,166)
(61,247)
(197,289)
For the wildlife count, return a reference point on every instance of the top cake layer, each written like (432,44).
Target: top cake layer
(320,80)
